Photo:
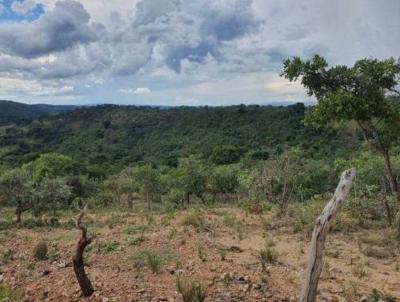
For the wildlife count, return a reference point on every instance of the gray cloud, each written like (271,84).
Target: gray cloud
(175,44)
(59,29)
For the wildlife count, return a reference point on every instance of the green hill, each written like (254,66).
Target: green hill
(112,137)
(13,112)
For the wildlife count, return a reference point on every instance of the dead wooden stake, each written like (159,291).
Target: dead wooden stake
(77,259)
(322,225)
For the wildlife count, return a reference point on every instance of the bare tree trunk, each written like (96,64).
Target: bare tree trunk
(394,186)
(21,209)
(130,201)
(77,259)
(387,205)
(18,213)
(322,225)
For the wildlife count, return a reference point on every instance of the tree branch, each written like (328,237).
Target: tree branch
(321,229)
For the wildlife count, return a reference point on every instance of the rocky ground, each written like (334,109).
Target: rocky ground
(219,248)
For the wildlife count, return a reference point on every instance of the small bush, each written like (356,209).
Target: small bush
(9,294)
(230,220)
(359,271)
(378,253)
(6,256)
(377,296)
(201,252)
(268,255)
(107,247)
(153,259)
(40,251)
(190,291)
(135,241)
(195,219)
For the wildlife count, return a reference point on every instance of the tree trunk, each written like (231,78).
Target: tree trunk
(77,259)
(18,212)
(390,175)
(322,225)
(148,201)
(130,201)
(387,205)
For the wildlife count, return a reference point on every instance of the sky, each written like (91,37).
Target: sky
(181,52)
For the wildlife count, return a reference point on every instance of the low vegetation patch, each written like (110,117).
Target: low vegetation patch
(152,259)
(190,291)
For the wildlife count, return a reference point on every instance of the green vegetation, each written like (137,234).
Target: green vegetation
(258,157)
(107,139)
(9,294)
(191,291)
(153,259)
(40,251)
(13,112)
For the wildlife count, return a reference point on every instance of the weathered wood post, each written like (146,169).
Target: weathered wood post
(77,259)
(321,229)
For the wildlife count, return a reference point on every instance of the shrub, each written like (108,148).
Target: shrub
(267,255)
(153,259)
(375,252)
(201,252)
(195,219)
(9,294)
(40,251)
(190,291)
(107,247)
(134,241)
(6,256)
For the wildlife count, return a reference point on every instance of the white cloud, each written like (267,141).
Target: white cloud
(138,91)
(23,7)
(198,51)
(33,87)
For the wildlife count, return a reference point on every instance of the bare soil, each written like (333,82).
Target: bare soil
(356,263)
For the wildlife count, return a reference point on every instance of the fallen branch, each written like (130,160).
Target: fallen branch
(322,226)
(77,259)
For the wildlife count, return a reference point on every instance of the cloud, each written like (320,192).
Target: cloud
(198,51)
(58,30)
(2,9)
(137,91)
(23,7)
(33,87)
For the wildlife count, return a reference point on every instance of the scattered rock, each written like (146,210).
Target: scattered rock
(235,249)
(46,272)
(364,299)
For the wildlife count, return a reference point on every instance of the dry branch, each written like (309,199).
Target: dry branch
(321,229)
(77,259)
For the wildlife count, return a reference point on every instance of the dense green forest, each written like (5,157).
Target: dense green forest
(108,138)
(13,112)
(255,155)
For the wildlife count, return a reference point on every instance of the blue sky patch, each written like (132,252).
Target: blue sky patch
(8,15)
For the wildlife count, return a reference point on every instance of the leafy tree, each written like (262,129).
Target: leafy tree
(127,184)
(50,195)
(276,180)
(223,155)
(223,180)
(81,188)
(359,93)
(52,165)
(16,189)
(148,181)
(190,178)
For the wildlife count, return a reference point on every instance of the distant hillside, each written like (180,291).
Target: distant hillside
(112,137)
(13,112)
